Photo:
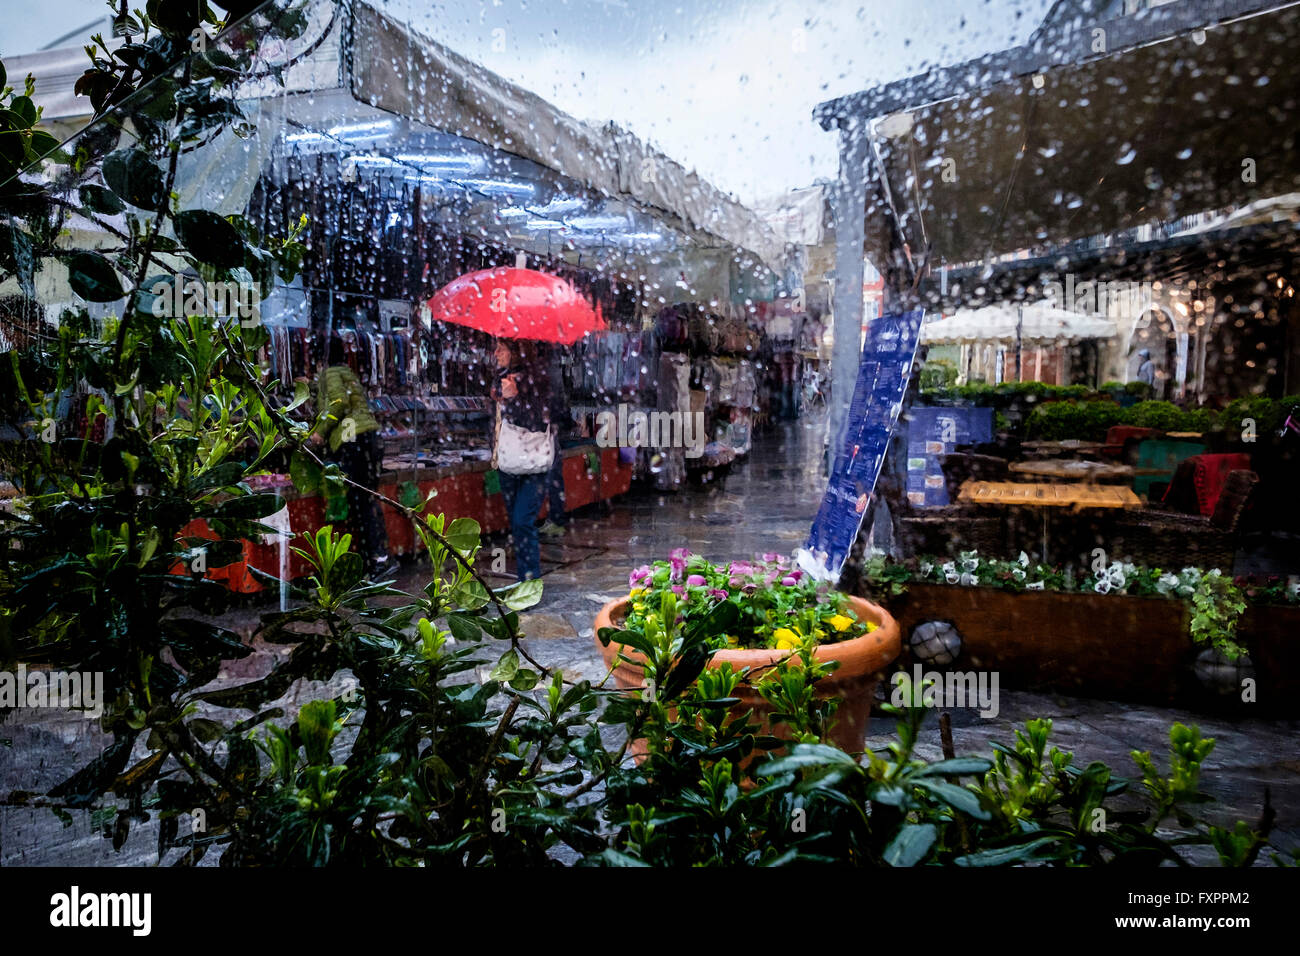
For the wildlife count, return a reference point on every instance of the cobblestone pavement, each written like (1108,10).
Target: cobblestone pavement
(766,504)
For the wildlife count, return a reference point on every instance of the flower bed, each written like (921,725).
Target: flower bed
(1122,631)
(779,606)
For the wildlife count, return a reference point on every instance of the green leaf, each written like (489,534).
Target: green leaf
(136,178)
(316,727)
(464,628)
(305,472)
(1001,856)
(210,238)
(464,534)
(96,198)
(93,278)
(955,767)
(524,679)
(248,506)
(959,798)
(506,668)
(807,755)
(522,595)
(911,844)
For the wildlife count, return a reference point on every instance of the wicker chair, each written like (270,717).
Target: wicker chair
(1173,540)
(955,527)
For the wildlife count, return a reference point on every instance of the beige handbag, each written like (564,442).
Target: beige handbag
(520,452)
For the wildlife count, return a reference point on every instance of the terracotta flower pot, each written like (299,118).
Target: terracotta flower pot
(862,660)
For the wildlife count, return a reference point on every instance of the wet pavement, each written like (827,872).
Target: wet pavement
(765,504)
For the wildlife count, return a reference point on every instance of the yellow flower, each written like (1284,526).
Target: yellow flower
(841,623)
(871,626)
(636,593)
(732,639)
(638,607)
(786,639)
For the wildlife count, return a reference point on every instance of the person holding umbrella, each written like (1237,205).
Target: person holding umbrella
(525,446)
(519,307)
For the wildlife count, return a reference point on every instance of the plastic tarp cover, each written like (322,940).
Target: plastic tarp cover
(397,70)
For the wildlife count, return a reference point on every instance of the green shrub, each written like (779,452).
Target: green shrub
(1086,421)
(1268,414)
(939,373)
(1166,416)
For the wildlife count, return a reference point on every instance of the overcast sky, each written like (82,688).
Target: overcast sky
(724,86)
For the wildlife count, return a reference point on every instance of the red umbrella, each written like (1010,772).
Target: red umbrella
(517,304)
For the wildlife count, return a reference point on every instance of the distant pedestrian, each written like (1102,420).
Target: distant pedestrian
(345,424)
(1147,369)
(525,447)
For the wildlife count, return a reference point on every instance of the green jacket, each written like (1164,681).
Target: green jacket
(340,396)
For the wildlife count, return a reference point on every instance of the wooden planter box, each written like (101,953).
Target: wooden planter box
(1106,646)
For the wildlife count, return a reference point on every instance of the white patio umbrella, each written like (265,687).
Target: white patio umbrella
(1039,324)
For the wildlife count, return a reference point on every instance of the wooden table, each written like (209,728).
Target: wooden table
(1049,449)
(1091,471)
(1073,496)
(1045,494)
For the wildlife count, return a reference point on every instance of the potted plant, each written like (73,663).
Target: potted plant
(757,618)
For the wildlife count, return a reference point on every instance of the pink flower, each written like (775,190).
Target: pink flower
(640,574)
(789,581)
(771,556)
(718,594)
(680,554)
(679,590)
(736,582)
(678,566)
(695,580)
(797,575)
(739,568)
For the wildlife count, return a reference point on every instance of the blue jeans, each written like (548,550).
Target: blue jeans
(523,494)
(555,488)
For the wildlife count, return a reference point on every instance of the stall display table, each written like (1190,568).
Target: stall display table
(590,474)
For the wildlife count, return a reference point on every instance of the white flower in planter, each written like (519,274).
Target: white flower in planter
(950,573)
(1102,586)
(1018,573)
(926,567)
(1166,583)
(1116,576)
(1035,586)
(1023,559)
(1293,588)
(968,580)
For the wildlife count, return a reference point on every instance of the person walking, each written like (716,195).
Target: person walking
(1146,368)
(525,447)
(345,424)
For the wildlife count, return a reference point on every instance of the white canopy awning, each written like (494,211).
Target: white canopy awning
(1034,325)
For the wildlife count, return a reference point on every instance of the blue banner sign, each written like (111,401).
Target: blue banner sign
(883,373)
(933,433)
